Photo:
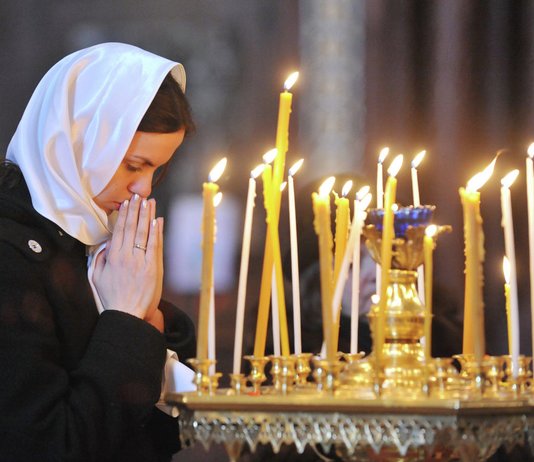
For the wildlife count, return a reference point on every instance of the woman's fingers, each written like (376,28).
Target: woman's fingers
(131,224)
(141,235)
(118,230)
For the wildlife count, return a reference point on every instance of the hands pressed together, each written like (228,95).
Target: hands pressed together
(129,274)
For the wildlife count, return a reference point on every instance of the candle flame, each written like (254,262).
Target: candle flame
(375,299)
(362,192)
(346,188)
(217,171)
(395,165)
(364,203)
(290,81)
(383,154)
(327,186)
(509,178)
(530,151)
(270,155)
(418,158)
(506,269)
(431,230)
(295,167)
(283,186)
(479,180)
(257,171)
(217,199)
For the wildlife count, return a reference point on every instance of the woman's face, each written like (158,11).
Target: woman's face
(146,153)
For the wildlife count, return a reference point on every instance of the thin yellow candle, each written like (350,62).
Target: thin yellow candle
(266,275)
(341,236)
(272,251)
(282,136)
(506,271)
(428,250)
(209,191)
(388,234)
(473,335)
(321,210)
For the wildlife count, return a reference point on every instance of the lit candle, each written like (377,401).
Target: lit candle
(530,202)
(388,234)
(380,202)
(266,275)
(272,243)
(506,272)
(295,285)
(210,190)
(321,209)
(380,178)
(340,241)
(243,270)
(415,183)
(508,226)
(211,323)
(352,254)
(428,250)
(416,203)
(473,338)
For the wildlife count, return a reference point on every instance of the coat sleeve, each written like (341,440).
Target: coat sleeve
(179,331)
(81,414)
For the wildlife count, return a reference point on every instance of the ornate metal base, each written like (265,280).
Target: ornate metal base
(355,429)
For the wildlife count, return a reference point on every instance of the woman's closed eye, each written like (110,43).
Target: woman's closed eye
(134,168)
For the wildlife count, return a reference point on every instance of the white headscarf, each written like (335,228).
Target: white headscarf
(77,127)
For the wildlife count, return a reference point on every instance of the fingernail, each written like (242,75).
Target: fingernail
(136,197)
(144,203)
(125,203)
(154,222)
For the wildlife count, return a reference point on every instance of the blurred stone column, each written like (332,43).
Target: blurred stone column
(331,100)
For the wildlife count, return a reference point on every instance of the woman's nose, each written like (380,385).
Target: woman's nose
(142,186)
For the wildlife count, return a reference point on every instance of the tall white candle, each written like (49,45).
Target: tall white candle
(415,182)
(416,203)
(508,226)
(530,202)
(359,216)
(243,270)
(295,285)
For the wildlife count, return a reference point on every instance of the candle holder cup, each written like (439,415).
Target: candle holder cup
(202,379)
(257,372)
(238,384)
(521,382)
(326,374)
(302,369)
(283,373)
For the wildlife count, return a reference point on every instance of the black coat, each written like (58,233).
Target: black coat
(74,385)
